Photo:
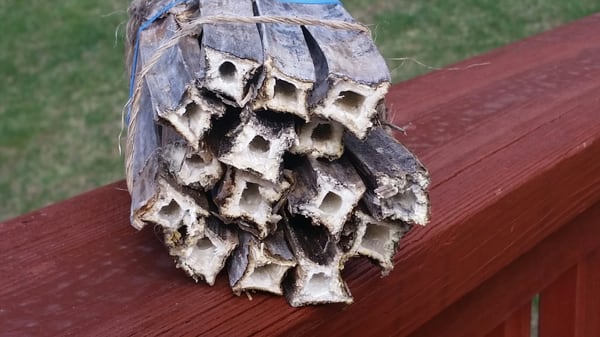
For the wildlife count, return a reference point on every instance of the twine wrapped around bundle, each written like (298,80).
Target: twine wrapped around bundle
(255,142)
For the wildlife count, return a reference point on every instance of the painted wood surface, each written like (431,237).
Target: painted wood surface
(557,306)
(512,149)
(519,322)
(513,287)
(587,322)
(517,325)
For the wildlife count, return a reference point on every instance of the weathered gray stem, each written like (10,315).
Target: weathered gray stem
(260,265)
(326,192)
(396,181)
(172,81)
(232,53)
(257,144)
(352,77)
(363,235)
(289,70)
(316,279)
(202,256)
(143,138)
(249,200)
(319,139)
(198,169)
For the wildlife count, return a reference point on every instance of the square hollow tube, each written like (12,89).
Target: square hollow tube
(326,192)
(257,143)
(317,277)
(396,180)
(249,200)
(260,264)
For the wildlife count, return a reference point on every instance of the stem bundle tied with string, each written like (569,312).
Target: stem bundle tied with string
(256,144)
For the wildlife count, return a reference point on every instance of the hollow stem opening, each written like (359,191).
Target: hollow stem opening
(331,203)
(350,101)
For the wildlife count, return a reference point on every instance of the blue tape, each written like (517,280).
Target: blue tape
(312,2)
(136,49)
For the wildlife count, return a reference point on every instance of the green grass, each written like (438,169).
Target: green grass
(63,82)
(63,85)
(440,32)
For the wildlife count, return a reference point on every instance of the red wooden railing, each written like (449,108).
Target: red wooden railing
(513,146)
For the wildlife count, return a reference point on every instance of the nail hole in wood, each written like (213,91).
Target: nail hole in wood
(259,145)
(250,199)
(350,101)
(227,71)
(321,132)
(331,203)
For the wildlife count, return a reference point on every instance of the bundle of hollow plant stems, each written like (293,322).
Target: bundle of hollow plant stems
(257,143)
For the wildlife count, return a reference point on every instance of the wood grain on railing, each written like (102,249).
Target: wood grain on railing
(513,287)
(557,306)
(512,146)
(587,309)
(517,325)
